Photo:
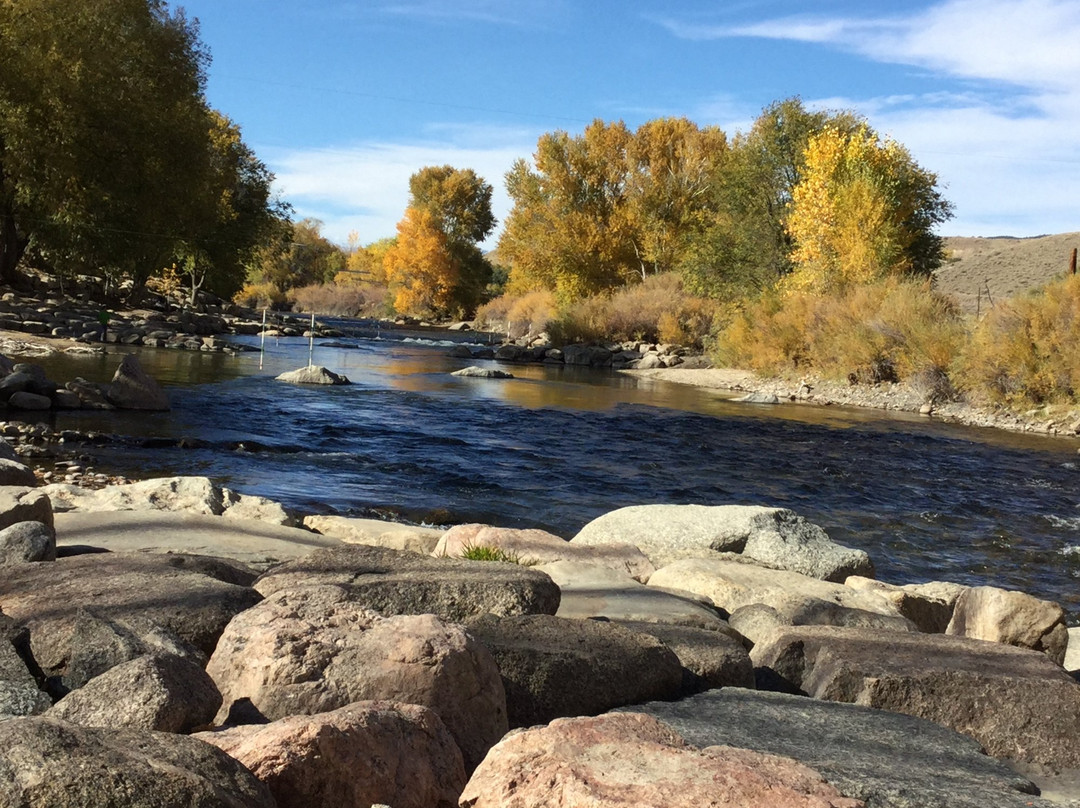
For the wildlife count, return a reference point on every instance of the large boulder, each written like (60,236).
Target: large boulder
(14,472)
(23,504)
(591,591)
(392,582)
(313,374)
(533,547)
(132,388)
(887,759)
(633,761)
(181,596)
(772,537)
(595,356)
(370,752)
(189,494)
(376,532)
(1017,703)
(553,668)
(48,762)
(797,599)
(1013,618)
(27,542)
(710,657)
(160,692)
(314,649)
(929,606)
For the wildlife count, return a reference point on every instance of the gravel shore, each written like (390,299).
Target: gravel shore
(1059,421)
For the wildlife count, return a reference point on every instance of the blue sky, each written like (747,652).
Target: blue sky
(344,100)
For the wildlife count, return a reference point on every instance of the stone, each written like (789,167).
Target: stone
(24,400)
(628,760)
(313,374)
(594,356)
(159,692)
(19,691)
(132,388)
(25,542)
(775,537)
(535,547)
(508,353)
(710,657)
(12,472)
(311,650)
(1016,702)
(377,533)
(1072,653)
(190,494)
(757,622)
(252,508)
(460,352)
(23,504)
(592,591)
(474,372)
(929,606)
(48,762)
(758,398)
(369,752)
(91,396)
(255,544)
(7,451)
(65,399)
(887,759)
(391,582)
(178,594)
(798,599)
(552,667)
(1013,618)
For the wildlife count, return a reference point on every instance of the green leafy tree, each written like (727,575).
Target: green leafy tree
(298,255)
(103,133)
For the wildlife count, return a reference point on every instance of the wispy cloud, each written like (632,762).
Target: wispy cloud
(1005,140)
(365,186)
(495,12)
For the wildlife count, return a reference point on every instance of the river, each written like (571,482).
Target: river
(555,447)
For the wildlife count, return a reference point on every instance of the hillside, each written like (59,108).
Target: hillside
(1007,266)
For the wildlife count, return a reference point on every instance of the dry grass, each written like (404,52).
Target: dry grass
(657,310)
(886,331)
(342,300)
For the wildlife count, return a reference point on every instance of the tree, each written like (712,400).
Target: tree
(449,210)
(863,210)
(746,247)
(103,130)
(420,268)
(568,231)
(298,255)
(365,264)
(239,216)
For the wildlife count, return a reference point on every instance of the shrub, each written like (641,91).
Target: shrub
(260,296)
(517,315)
(657,309)
(341,299)
(483,552)
(884,331)
(1027,350)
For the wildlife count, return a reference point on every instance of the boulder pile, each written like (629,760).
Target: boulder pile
(666,655)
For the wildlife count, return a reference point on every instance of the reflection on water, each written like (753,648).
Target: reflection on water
(556,447)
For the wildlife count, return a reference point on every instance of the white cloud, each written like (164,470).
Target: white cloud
(1005,147)
(365,187)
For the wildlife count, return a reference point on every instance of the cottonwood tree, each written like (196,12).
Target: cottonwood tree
(436,266)
(863,210)
(297,255)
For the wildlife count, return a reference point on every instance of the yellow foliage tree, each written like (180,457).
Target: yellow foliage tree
(420,268)
(863,210)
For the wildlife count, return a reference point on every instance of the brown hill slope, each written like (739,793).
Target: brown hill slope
(1006,266)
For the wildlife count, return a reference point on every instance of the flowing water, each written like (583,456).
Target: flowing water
(556,447)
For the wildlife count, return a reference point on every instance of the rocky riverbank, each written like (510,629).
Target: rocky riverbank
(1054,421)
(185,641)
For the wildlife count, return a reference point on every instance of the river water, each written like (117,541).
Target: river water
(555,447)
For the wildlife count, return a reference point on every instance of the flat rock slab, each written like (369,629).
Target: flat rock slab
(392,582)
(553,668)
(710,658)
(259,545)
(48,762)
(376,533)
(591,591)
(1016,702)
(887,759)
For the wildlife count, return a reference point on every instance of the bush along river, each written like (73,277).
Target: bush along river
(555,447)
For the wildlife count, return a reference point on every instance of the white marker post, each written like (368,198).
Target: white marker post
(262,341)
(311,342)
